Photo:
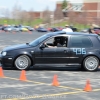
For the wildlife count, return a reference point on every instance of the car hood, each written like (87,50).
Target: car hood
(19,46)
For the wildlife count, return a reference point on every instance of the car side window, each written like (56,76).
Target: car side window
(50,41)
(80,41)
(59,41)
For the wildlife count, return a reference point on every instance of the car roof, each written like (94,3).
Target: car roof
(70,33)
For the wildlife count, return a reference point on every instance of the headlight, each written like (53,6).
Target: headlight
(4,53)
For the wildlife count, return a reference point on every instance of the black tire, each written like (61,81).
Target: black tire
(22,62)
(91,63)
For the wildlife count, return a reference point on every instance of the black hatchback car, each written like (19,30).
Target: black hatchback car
(75,49)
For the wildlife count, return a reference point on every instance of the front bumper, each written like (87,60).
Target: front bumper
(6,61)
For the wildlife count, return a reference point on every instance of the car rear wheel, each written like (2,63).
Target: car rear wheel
(91,63)
(22,62)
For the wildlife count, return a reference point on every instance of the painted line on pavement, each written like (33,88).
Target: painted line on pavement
(94,90)
(45,84)
(56,95)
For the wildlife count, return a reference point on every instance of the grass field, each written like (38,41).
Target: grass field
(77,25)
(40,21)
(17,22)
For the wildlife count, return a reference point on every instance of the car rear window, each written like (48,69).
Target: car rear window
(80,41)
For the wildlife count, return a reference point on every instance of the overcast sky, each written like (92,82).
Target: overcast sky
(36,5)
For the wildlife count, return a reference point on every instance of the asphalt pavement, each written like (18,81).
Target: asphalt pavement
(38,82)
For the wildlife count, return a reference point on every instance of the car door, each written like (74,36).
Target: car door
(53,55)
(45,55)
(62,55)
(63,52)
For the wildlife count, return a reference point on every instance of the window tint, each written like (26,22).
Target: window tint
(80,41)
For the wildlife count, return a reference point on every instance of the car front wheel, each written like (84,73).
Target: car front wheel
(91,63)
(22,62)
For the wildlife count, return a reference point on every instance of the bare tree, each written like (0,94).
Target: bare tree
(6,15)
(30,16)
(46,15)
(22,16)
(16,11)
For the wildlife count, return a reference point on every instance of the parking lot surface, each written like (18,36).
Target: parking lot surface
(39,80)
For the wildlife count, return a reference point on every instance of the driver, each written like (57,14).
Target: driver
(56,43)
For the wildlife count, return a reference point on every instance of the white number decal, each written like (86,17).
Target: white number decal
(79,50)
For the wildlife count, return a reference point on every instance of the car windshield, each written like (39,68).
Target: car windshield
(38,40)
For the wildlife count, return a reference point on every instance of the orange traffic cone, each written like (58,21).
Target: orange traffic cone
(29,32)
(1,72)
(55,81)
(23,75)
(88,87)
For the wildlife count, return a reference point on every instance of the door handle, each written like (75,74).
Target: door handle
(65,51)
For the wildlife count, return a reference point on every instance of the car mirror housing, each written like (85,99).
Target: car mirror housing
(42,46)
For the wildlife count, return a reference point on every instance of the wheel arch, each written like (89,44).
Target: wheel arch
(25,55)
(88,56)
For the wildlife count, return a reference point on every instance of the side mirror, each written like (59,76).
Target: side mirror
(42,46)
